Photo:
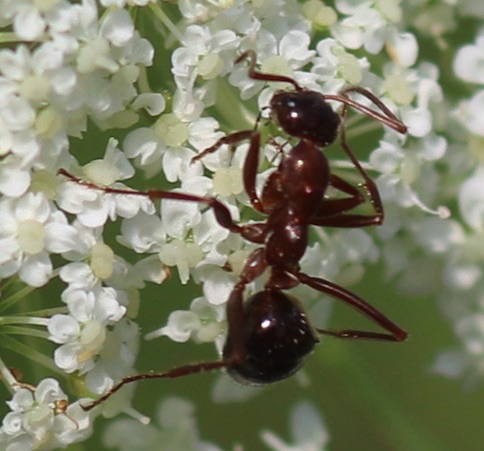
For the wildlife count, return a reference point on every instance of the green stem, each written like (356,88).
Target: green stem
(48,312)
(26,331)
(8,37)
(31,321)
(16,297)
(28,352)
(165,20)
(7,377)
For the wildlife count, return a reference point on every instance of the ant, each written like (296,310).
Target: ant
(269,335)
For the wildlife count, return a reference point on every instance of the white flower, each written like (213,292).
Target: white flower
(176,429)
(93,206)
(41,418)
(403,48)
(36,86)
(307,429)
(469,114)
(115,362)
(14,180)
(107,56)
(471,200)
(30,19)
(93,260)
(467,363)
(204,322)
(31,229)
(469,61)
(175,252)
(368,23)
(402,170)
(197,54)
(164,146)
(336,67)
(82,333)
(285,57)
(171,234)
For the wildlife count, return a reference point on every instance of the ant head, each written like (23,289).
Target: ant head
(277,338)
(306,115)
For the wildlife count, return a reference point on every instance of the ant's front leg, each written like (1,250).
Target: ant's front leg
(251,162)
(251,56)
(386,116)
(253,232)
(361,306)
(222,213)
(370,185)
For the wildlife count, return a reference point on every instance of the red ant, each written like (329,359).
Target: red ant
(269,335)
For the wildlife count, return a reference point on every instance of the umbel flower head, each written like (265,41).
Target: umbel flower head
(124,94)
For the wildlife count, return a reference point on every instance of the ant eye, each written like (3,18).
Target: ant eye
(277,339)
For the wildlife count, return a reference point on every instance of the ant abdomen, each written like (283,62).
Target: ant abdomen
(277,339)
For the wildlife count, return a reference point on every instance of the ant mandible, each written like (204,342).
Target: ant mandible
(269,335)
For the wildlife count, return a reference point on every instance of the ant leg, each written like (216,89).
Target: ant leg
(222,213)
(330,207)
(255,75)
(173,373)
(231,140)
(253,268)
(386,117)
(361,306)
(332,212)
(370,185)
(251,161)
(254,232)
(395,123)
(345,220)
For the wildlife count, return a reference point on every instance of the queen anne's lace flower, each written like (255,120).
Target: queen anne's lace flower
(76,95)
(83,332)
(31,229)
(41,418)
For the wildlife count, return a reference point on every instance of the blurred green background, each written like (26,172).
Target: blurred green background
(373,396)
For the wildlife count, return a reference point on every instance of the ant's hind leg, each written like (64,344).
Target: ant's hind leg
(394,333)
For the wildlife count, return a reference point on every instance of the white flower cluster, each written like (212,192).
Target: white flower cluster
(461,240)
(86,68)
(80,67)
(41,418)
